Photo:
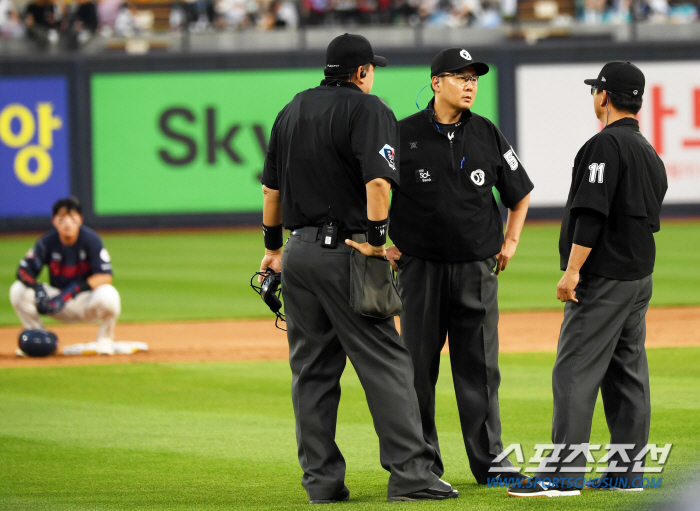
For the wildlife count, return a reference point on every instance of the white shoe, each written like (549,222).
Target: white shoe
(20,353)
(104,346)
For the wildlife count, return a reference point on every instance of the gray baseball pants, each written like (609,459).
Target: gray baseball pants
(601,346)
(322,331)
(459,299)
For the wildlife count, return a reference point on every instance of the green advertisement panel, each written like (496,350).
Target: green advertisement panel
(194,142)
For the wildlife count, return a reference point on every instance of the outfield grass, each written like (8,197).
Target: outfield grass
(192,276)
(221,436)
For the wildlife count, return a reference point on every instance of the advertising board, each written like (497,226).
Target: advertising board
(194,142)
(34,153)
(555,118)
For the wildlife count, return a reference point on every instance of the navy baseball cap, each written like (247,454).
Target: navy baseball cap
(453,59)
(619,76)
(348,51)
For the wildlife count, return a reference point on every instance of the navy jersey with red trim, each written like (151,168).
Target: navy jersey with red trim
(86,257)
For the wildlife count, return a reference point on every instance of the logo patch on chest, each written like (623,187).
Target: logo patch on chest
(425,176)
(478,177)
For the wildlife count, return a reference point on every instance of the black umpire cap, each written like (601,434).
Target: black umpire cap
(619,76)
(347,52)
(453,59)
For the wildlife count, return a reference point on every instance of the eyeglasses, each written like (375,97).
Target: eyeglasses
(463,78)
(594,89)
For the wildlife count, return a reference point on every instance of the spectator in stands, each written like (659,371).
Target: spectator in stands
(82,23)
(10,22)
(405,12)
(345,12)
(236,13)
(125,24)
(42,19)
(280,14)
(491,13)
(315,12)
(657,9)
(195,15)
(593,11)
(179,15)
(107,12)
(384,11)
(367,12)
(464,12)
(434,12)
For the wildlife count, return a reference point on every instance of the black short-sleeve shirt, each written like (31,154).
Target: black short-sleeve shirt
(86,257)
(618,174)
(444,209)
(326,144)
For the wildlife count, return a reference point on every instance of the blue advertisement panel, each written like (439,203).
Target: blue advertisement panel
(34,159)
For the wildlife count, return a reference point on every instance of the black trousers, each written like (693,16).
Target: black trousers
(459,299)
(601,346)
(322,330)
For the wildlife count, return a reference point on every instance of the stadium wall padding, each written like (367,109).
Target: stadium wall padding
(200,114)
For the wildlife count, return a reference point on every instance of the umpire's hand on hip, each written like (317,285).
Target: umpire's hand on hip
(393,254)
(367,249)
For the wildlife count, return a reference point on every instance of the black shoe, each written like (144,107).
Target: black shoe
(439,491)
(342,496)
(534,487)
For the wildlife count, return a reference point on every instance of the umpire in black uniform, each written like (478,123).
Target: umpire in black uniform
(607,251)
(327,178)
(449,248)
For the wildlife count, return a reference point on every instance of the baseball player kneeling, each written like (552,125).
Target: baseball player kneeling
(80,276)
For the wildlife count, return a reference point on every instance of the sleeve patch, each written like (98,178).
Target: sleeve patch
(597,170)
(104,255)
(388,154)
(511,159)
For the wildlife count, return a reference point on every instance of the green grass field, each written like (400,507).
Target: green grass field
(221,436)
(211,436)
(182,276)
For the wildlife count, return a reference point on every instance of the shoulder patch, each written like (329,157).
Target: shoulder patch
(597,171)
(388,154)
(511,159)
(104,255)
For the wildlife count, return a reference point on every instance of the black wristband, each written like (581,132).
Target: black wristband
(376,232)
(273,236)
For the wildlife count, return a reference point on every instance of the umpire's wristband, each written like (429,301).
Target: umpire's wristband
(376,232)
(272,236)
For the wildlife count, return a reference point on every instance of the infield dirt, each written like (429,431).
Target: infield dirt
(259,339)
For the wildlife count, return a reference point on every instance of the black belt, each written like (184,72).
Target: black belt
(342,235)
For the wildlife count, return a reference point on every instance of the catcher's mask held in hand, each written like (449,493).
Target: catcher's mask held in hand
(270,291)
